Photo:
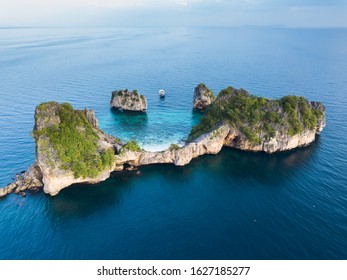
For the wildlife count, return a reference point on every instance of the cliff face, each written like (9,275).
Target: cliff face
(128,100)
(203,97)
(279,141)
(70,148)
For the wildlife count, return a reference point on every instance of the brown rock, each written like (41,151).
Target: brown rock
(3,192)
(22,194)
(128,100)
(203,97)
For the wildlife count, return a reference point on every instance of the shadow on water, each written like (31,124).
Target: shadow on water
(127,119)
(264,168)
(196,116)
(82,200)
(162,100)
(269,170)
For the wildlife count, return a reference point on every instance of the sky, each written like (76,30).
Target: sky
(135,13)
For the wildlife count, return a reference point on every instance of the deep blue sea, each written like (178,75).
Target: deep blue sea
(234,205)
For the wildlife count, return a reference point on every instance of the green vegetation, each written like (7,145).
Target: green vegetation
(250,135)
(174,147)
(132,146)
(117,92)
(44,106)
(127,93)
(307,116)
(117,140)
(257,117)
(74,140)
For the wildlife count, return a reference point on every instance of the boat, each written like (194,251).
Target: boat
(162,93)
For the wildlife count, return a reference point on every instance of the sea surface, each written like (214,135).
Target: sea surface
(234,205)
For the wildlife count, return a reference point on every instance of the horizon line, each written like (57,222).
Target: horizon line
(274,26)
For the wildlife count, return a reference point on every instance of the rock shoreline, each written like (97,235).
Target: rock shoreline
(30,180)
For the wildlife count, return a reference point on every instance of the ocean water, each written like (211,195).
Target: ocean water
(234,205)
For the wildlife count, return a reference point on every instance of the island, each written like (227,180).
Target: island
(260,124)
(71,148)
(128,101)
(203,97)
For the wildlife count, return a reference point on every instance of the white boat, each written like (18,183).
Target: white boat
(162,93)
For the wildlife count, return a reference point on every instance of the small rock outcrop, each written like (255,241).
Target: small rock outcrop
(203,97)
(128,101)
(90,115)
(29,180)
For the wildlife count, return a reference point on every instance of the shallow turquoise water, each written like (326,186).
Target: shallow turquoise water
(235,205)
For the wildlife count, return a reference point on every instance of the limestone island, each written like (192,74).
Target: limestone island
(128,101)
(71,148)
(203,97)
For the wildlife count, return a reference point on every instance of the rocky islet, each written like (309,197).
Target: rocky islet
(128,101)
(203,97)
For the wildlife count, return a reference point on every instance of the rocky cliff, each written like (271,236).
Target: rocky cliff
(259,124)
(279,142)
(203,97)
(70,148)
(128,100)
